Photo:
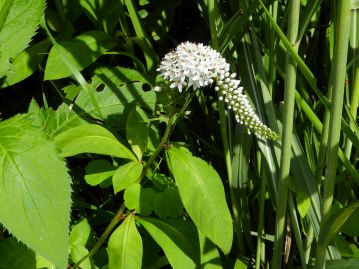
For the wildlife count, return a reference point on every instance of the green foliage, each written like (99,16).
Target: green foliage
(35,193)
(19,20)
(126,175)
(80,51)
(125,246)
(91,138)
(168,179)
(201,190)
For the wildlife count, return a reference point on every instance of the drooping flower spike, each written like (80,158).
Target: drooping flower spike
(197,65)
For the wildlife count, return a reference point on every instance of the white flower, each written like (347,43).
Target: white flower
(198,66)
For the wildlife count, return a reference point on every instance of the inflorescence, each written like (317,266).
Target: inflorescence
(197,65)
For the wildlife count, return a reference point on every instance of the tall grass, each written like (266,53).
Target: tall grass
(297,82)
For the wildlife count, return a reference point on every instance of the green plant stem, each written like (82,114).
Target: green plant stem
(354,81)
(341,38)
(116,219)
(261,222)
(288,113)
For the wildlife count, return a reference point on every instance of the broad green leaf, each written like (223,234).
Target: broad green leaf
(98,171)
(303,203)
(35,189)
(240,265)
(81,51)
(116,88)
(137,130)
(125,246)
(210,258)
(77,253)
(26,63)
(20,26)
(80,233)
(203,197)
(15,255)
(126,175)
(168,204)
(177,238)
(103,13)
(91,138)
(335,223)
(139,199)
(52,121)
(5,6)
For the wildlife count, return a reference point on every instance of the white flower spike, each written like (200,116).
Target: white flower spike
(197,65)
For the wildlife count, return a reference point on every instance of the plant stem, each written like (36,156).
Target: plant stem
(116,219)
(288,113)
(341,38)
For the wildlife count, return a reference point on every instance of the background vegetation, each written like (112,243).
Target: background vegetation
(100,171)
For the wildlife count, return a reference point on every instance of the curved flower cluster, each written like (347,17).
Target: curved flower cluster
(198,65)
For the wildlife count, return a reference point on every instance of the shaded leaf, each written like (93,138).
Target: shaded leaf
(137,131)
(81,51)
(104,14)
(98,171)
(139,199)
(125,246)
(14,255)
(91,138)
(26,63)
(126,175)
(116,89)
(35,190)
(168,204)
(203,197)
(177,238)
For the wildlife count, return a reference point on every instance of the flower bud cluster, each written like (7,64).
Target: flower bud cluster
(198,65)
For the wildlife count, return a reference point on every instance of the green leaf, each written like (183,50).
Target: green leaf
(137,131)
(80,233)
(350,227)
(116,88)
(5,6)
(91,138)
(139,199)
(335,223)
(168,204)
(103,14)
(52,121)
(14,255)
(26,63)
(126,175)
(125,246)
(177,238)
(98,171)
(203,197)
(342,264)
(81,51)
(35,190)
(79,236)
(77,253)
(303,203)
(20,26)
(210,258)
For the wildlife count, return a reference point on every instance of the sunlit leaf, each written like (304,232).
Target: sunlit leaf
(126,175)
(35,190)
(203,197)
(91,138)
(125,246)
